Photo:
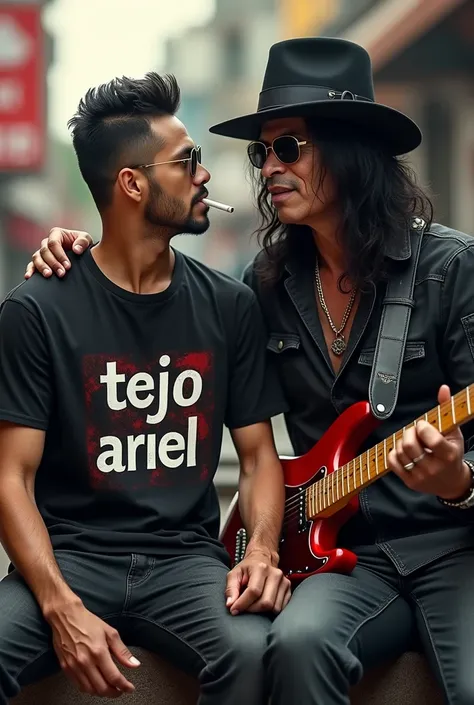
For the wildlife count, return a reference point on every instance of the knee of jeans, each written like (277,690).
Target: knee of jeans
(247,642)
(293,636)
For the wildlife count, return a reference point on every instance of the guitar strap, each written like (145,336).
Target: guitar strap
(393,331)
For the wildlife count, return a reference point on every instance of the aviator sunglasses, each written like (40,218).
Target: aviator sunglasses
(194,159)
(286,149)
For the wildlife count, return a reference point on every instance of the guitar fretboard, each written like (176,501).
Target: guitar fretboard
(351,478)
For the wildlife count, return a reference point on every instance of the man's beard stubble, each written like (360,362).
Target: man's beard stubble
(164,211)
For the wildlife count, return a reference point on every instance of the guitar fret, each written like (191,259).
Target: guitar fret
(453,410)
(440,423)
(348,483)
(468,399)
(332,487)
(426,417)
(385,452)
(337,483)
(377,459)
(368,457)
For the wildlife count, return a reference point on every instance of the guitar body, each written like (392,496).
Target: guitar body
(310,547)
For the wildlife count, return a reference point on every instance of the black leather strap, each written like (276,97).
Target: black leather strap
(393,331)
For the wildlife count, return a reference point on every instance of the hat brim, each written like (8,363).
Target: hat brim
(396,130)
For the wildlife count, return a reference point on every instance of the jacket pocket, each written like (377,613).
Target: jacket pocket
(281,342)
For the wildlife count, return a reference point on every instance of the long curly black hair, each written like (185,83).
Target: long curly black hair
(377,195)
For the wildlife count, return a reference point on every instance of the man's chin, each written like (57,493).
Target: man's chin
(285,217)
(196,226)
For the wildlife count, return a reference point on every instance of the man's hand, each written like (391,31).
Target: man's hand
(85,644)
(438,460)
(51,257)
(256,585)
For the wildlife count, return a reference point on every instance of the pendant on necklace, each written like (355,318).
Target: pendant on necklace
(338,345)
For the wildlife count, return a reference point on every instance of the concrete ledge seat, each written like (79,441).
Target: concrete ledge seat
(406,681)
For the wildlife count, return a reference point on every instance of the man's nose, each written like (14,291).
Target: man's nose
(272,165)
(202,175)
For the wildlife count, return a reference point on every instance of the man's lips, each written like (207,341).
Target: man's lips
(275,190)
(280,194)
(200,199)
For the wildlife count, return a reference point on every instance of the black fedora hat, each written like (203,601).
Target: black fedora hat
(327,78)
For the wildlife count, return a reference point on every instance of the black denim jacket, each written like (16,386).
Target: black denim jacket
(412,528)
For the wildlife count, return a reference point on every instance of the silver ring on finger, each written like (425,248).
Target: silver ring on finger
(409,466)
(419,458)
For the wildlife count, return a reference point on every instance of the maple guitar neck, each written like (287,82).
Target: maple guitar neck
(326,496)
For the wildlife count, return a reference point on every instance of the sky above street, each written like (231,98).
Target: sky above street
(96,40)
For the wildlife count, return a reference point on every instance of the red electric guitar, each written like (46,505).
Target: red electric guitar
(322,488)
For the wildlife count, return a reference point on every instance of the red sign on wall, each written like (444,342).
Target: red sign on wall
(22,88)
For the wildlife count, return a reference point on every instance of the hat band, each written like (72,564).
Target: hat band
(292,95)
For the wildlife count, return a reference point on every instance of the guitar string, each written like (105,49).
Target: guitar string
(346,478)
(347,475)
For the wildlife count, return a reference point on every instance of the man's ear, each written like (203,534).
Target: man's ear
(132,183)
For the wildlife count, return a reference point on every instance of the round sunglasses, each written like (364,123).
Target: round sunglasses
(194,159)
(286,149)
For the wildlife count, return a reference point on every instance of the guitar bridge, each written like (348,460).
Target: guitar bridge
(240,545)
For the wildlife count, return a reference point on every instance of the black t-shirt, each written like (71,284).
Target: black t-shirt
(133,392)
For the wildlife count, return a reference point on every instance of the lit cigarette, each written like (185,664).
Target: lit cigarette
(219,206)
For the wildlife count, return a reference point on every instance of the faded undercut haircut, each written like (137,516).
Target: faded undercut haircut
(112,130)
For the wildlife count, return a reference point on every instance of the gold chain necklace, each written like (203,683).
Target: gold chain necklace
(338,345)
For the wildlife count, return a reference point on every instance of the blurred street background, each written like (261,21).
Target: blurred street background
(52,51)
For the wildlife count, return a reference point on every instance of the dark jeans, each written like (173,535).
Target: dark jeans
(175,607)
(336,625)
